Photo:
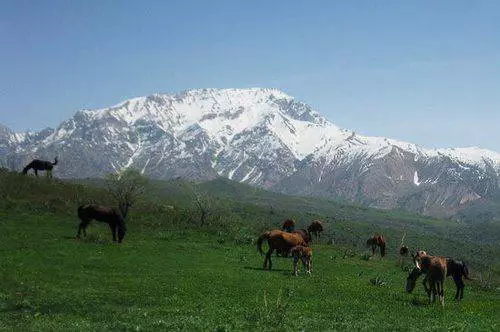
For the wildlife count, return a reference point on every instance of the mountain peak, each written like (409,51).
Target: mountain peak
(259,136)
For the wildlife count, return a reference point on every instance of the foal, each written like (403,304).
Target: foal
(305,255)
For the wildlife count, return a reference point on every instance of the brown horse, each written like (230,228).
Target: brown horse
(278,240)
(113,217)
(377,241)
(288,225)
(455,268)
(315,228)
(305,236)
(435,270)
(40,165)
(305,255)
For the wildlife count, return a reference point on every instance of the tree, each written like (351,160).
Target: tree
(126,187)
(203,202)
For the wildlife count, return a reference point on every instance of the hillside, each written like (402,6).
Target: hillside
(261,137)
(172,274)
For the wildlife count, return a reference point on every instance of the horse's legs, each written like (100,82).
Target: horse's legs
(441,291)
(36,171)
(373,250)
(427,289)
(268,258)
(460,287)
(82,227)
(306,263)
(432,292)
(112,227)
(295,269)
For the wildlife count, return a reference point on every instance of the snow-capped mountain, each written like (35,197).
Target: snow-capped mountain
(262,137)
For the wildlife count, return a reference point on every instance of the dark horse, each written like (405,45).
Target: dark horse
(40,165)
(436,268)
(113,217)
(377,241)
(288,225)
(315,228)
(278,240)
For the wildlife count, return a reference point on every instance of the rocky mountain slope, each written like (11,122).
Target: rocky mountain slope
(262,137)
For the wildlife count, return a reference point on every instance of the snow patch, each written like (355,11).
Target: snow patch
(415,179)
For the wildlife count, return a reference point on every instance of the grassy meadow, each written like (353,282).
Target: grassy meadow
(172,274)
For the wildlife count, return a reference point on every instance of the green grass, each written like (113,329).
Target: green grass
(170,274)
(192,280)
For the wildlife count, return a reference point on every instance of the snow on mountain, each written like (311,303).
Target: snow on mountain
(263,137)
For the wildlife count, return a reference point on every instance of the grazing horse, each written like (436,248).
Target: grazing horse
(113,217)
(288,225)
(454,268)
(435,270)
(305,255)
(315,228)
(278,240)
(40,165)
(376,241)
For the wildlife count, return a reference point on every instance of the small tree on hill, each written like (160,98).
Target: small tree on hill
(126,188)
(204,203)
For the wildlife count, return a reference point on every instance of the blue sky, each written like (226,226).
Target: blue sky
(426,72)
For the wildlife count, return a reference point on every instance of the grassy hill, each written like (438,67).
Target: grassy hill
(170,273)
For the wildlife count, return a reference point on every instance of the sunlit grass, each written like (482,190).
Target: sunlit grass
(194,281)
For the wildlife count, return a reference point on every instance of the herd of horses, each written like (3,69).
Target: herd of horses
(289,241)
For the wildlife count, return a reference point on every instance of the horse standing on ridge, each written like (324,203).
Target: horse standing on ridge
(40,165)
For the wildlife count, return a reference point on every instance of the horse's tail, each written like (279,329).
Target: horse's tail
(261,239)
(27,168)
(55,161)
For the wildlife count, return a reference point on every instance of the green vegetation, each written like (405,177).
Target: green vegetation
(172,274)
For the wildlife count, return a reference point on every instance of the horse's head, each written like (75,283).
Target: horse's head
(412,279)
(417,258)
(370,241)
